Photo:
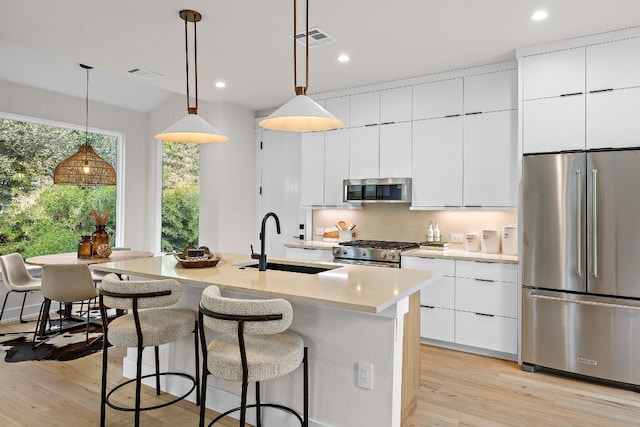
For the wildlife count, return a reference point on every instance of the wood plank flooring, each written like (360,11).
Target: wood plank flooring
(456,389)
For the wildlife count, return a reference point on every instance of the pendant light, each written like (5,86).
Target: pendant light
(191,128)
(86,167)
(301,114)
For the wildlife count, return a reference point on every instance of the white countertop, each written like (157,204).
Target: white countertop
(312,244)
(350,287)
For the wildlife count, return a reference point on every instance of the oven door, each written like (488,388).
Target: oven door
(367,262)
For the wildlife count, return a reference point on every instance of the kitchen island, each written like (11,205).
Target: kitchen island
(347,314)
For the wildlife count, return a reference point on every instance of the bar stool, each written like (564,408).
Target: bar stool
(255,346)
(146,324)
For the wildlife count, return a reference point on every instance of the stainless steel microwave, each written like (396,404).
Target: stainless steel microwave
(377,190)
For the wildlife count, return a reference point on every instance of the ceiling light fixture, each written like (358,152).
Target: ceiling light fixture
(301,114)
(344,58)
(539,15)
(221,84)
(86,167)
(191,128)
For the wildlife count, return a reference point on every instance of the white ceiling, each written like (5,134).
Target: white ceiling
(246,43)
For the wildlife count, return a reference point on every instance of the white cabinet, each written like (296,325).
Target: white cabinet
(363,109)
(396,105)
(489,92)
(437,99)
(485,331)
(395,150)
(554,124)
(436,166)
(322,255)
(614,65)
(336,164)
(339,107)
(552,74)
(364,152)
(312,169)
(490,159)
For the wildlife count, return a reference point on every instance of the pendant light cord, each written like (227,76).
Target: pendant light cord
(191,110)
(86,115)
(303,89)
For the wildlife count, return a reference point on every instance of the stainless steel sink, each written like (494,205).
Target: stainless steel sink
(292,268)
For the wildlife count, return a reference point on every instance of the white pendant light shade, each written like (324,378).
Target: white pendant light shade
(301,114)
(192,129)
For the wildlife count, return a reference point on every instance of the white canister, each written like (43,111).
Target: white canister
(472,242)
(510,239)
(490,241)
(345,236)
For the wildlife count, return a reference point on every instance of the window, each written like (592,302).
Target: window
(37,217)
(180,196)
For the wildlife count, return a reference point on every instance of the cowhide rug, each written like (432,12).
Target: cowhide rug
(67,346)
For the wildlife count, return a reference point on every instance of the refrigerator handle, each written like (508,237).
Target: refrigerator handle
(578,223)
(584,302)
(594,207)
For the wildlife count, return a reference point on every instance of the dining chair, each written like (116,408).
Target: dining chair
(255,345)
(149,322)
(16,278)
(66,284)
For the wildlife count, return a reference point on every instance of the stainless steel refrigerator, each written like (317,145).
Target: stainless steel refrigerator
(581,263)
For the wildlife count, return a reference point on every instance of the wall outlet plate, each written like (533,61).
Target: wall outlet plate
(365,375)
(457,238)
(319,231)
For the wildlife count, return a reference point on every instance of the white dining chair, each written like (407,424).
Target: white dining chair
(16,278)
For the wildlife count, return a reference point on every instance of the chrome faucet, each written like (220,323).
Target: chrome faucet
(262,264)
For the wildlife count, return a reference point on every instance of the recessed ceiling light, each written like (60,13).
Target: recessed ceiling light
(343,58)
(221,84)
(539,15)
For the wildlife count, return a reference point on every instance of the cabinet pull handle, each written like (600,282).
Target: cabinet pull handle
(475,112)
(485,280)
(572,94)
(484,314)
(578,223)
(427,306)
(601,90)
(387,123)
(451,206)
(371,124)
(452,115)
(472,206)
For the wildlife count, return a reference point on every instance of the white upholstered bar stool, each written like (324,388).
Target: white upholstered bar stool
(149,322)
(16,278)
(255,346)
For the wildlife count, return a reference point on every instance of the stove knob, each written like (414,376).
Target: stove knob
(392,254)
(344,252)
(384,255)
(336,251)
(363,253)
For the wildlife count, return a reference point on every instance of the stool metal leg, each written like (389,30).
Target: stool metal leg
(157,356)
(306,389)
(258,417)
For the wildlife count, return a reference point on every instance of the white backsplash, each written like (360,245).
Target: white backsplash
(397,222)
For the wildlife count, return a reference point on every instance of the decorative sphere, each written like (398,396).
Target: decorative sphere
(104,250)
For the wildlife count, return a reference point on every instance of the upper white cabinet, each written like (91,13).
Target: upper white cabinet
(395,150)
(336,164)
(312,165)
(437,99)
(396,105)
(489,92)
(614,65)
(552,74)
(339,107)
(363,109)
(490,159)
(364,152)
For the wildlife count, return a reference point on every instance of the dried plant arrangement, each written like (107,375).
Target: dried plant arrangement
(100,218)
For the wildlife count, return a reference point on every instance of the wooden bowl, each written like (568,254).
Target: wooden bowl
(208,261)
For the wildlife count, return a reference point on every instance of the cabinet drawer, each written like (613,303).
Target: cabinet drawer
(309,254)
(490,332)
(487,270)
(446,266)
(554,124)
(478,296)
(437,324)
(440,293)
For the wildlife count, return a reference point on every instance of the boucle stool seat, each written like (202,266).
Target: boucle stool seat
(254,346)
(146,324)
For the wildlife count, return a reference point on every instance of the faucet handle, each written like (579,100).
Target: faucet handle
(253,254)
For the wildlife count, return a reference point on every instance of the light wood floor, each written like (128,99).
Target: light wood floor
(455,389)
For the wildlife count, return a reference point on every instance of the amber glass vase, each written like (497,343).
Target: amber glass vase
(99,237)
(85,247)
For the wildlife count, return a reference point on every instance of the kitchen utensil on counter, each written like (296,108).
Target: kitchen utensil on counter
(490,242)
(350,227)
(331,234)
(472,242)
(341,225)
(510,239)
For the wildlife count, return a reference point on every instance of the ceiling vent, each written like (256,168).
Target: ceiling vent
(317,37)
(141,72)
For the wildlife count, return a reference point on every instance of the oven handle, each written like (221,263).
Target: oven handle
(367,263)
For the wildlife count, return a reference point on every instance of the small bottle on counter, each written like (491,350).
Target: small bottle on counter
(436,233)
(430,233)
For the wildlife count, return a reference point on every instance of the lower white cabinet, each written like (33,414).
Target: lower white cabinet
(473,304)
(324,255)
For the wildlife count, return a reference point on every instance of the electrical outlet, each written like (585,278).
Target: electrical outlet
(365,375)
(319,231)
(457,238)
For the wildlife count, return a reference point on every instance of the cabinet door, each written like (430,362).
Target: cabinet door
(497,271)
(310,254)
(364,152)
(339,107)
(491,92)
(437,99)
(336,164)
(395,105)
(437,162)
(612,119)
(490,159)
(395,150)
(614,65)
(553,74)
(312,169)
(437,324)
(554,124)
(363,109)
(487,297)
(440,293)
(490,332)
(446,266)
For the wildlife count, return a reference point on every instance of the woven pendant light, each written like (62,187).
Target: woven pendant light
(86,167)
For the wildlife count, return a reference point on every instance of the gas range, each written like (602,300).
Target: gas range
(371,252)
